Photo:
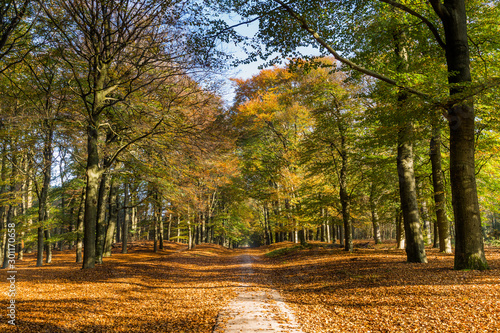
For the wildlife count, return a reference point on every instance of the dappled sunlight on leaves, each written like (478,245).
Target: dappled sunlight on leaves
(172,291)
(375,290)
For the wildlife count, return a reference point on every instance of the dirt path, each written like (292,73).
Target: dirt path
(255,309)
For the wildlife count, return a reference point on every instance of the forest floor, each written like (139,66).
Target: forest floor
(371,289)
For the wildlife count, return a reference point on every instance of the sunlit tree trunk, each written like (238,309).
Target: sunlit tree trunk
(178,227)
(126,218)
(93,173)
(400,231)
(443,225)
(27,201)
(156,218)
(161,231)
(44,193)
(415,250)
(190,233)
(469,246)
(169,228)
(346,207)
(102,202)
(112,219)
(374,215)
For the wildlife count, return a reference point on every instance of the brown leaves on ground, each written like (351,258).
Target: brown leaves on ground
(171,291)
(375,290)
(369,290)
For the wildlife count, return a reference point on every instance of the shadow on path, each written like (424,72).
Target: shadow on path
(255,309)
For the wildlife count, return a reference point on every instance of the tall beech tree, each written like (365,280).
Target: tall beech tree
(103,45)
(447,27)
(330,147)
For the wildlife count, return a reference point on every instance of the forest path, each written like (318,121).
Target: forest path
(255,309)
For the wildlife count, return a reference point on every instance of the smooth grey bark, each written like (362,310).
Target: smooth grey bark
(112,219)
(415,249)
(102,202)
(119,218)
(400,231)
(436,236)
(156,219)
(426,222)
(190,233)
(424,214)
(161,231)
(443,225)
(374,215)
(469,245)
(79,228)
(345,202)
(27,201)
(341,235)
(169,227)
(44,193)
(93,173)
(178,228)
(126,218)
(48,245)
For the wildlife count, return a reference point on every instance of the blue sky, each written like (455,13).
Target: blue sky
(246,71)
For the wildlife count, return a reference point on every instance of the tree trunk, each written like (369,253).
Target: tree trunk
(426,221)
(93,174)
(169,227)
(443,225)
(341,235)
(27,200)
(79,229)
(112,219)
(375,221)
(102,202)
(126,218)
(400,231)
(469,246)
(161,231)
(44,193)
(415,249)
(344,198)
(48,246)
(190,233)
(156,219)
(178,228)
(436,236)
(346,218)
(424,213)
(119,218)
